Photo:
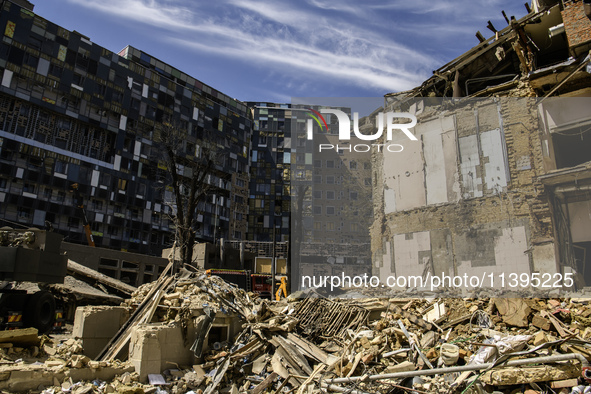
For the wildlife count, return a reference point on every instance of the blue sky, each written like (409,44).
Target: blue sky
(257,50)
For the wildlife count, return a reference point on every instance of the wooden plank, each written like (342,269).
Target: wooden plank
(304,385)
(81,270)
(264,384)
(562,331)
(278,366)
(355,364)
(309,348)
(295,355)
(456,321)
(289,362)
(143,313)
(221,372)
(249,348)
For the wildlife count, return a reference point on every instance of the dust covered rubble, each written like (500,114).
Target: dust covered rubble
(318,344)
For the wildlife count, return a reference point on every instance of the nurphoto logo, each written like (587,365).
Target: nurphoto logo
(382,119)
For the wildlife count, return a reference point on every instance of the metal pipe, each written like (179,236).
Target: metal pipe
(463,368)
(395,352)
(339,389)
(556,30)
(484,79)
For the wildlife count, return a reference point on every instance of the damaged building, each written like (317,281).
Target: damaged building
(498,181)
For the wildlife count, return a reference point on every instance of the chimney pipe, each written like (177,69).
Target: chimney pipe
(587,8)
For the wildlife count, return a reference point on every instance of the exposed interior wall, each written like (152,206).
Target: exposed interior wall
(580,221)
(466,198)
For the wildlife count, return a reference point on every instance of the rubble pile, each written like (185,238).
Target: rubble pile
(316,344)
(385,345)
(451,345)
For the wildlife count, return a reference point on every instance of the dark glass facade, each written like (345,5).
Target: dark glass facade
(74,112)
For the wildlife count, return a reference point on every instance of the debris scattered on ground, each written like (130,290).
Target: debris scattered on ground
(316,344)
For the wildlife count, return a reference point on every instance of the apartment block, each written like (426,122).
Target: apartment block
(72,111)
(331,191)
(269,196)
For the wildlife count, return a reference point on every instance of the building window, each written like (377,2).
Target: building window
(353,165)
(78,80)
(55,70)
(317,210)
(330,195)
(97,205)
(24,213)
(330,210)
(330,179)
(330,164)
(73,222)
(29,188)
(317,194)
(61,167)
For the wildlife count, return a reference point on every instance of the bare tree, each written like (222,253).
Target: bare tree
(193,170)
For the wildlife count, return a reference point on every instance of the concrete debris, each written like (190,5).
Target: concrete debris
(198,334)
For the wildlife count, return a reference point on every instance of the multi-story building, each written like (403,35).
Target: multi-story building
(269,197)
(331,191)
(74,112)
(497,184)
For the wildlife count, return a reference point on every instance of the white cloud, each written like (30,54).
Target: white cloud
(282,37)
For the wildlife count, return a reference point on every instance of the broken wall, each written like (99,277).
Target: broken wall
(464,197)
(576,24)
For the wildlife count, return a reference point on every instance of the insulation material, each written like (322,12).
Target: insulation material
(495,168)
(409,253)
(404,187)
(470,164)
(439,151)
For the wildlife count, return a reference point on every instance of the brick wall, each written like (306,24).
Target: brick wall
(576,23)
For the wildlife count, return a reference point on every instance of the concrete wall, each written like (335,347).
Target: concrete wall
(96,325)
(155,347)
(131,268)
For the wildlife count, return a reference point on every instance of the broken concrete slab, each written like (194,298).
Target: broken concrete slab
(20,337)
(514,311)
(96,325)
